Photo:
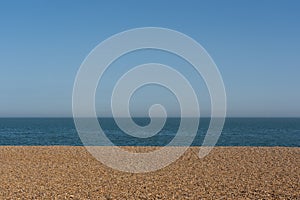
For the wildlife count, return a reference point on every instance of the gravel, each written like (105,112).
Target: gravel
(64,172)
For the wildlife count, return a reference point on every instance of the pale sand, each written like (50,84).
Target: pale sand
(226,173)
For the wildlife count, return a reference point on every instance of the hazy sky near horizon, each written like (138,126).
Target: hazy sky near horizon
(255,44)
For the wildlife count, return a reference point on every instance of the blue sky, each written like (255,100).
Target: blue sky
(255,44)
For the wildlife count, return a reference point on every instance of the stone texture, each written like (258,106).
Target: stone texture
(61,172)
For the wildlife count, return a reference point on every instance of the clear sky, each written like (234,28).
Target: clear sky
(255,44)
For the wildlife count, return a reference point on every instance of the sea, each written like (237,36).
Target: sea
(236,132)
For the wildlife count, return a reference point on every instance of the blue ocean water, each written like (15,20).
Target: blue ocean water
(236,132)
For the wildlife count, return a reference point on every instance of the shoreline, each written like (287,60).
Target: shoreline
(229,172)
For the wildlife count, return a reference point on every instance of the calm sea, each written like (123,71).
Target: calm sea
(236,132)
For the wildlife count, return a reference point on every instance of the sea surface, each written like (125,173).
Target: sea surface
(236,132)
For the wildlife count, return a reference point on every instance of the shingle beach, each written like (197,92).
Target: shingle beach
(62,172)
